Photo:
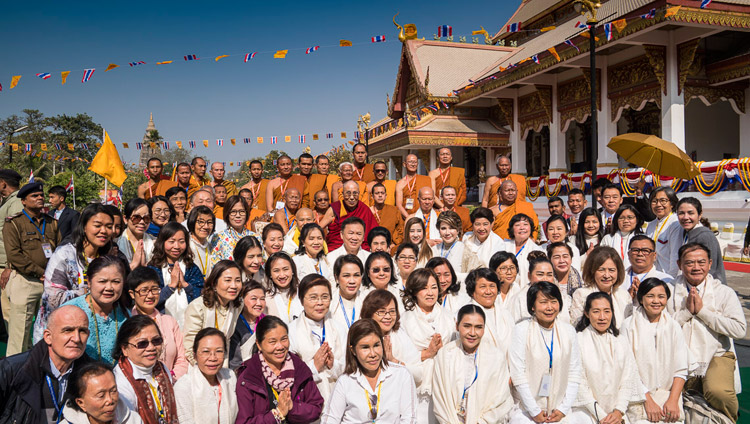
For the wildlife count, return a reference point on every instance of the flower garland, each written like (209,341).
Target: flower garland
(557,189)
(709,189)
(529,191)
(743,166)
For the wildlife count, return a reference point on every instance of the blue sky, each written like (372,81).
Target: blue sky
(302,94)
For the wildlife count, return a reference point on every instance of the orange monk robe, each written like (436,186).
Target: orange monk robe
(230,186)
(196,185)
(411,191)
(390,218)
(364,197)
(520,181)
(159,188)
(219,211)
(365,174)
(254,214)
(390,193)
(295,181)
(456,178)
(500,225)
(315,183)
(259,194)
(465,215)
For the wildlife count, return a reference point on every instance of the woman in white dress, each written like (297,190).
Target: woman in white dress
(452,297)
(505,266)
(468,386)
(545,360)
(567,277)
(540,269)
(310,257)
(603,271)
(346,304)
(429,326)
(380,274)
(248,253)
(281,295)
(414,232)
(201,223)
(315,337)
(407,255)
(661,230)
(655,338)
(451,247)
(372,389)
(589,233)
(241,344)
(557,232)
(626,223)
(380,305)
(482,285)
(520,229)
(482,241)
(609,382)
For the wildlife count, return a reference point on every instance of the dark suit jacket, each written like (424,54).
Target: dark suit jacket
(66,223)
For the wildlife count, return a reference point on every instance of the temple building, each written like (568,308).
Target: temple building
(148,151)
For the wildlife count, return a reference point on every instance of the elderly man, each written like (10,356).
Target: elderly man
(446,175)
(288,218)
(322,213)
(218,172)
(408,187)
(284,181)
(353,236)
(642,255)
(198,178)
(380,169)
(510,205)
(492,185)
(257,185)
(205,197)
(291,239)
(362,169)
(428,215)
(220,199)
(449,196)
(33,383)
(346,171)
(386,215)
(157,183)
(317,182)
(350,206)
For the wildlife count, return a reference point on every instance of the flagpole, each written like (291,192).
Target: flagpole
(104,132)
(74,190)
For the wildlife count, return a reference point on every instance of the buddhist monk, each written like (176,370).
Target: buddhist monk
(157,184)
(322,213)
(198,178)
(217,172)
(362,169)
(257,185)
(380,169)
(346,170)
(184,172)
(509,206)
(448,196)
(253,213)
(320,181)
(408,187)
(386,215)
(284,181)
(447,175)
(220,198)
(350,206)
(489,199)
(287,216)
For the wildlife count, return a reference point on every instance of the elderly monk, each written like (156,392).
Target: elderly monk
(509,206)
(253,214)
(448,197)
(279,185)
(380,169)
(198,178)
(322,213)
(362,169)
(346,170)
(220,199)
(257,185)
(288,218)
(386,215)
(447,175)
(320,181)
(349,206)
(408,187)
(217,173)
(157,184)
(489,199)
(428,215)
(291,239)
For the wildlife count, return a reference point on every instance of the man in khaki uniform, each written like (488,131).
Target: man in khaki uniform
(30,237)
(9,182)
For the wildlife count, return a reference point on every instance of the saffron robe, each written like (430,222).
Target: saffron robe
(391,219)
(314,184)
(500,226)
(159,188)
(456,178)
(390,193)
(259,193)
(520,184)
(411,192)
(294,181)
(365,174)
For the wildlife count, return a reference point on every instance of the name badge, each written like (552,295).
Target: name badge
(47,249)
(280,205)
(409,203)
(544,387)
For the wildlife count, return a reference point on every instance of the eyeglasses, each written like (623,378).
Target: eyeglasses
(351,194)
(145,291)
(201,223)
(385,269)
(160,212)
(644,252)
(315,299)
(322,199)
(373,407)
(238,213)
(136,219)
(383,313)
(209,353)
(627,218)
(142,344)
(507,269)
(663,201)
(407,258)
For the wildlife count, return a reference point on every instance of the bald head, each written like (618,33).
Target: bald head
(426,199)
(508,192)
(304,216)
(351,186)
(412,163)
(503,165)
(65,315)
(426,191)
(292,198)
(350,192)
(66,335)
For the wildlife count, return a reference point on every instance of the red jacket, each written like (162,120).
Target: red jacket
(340,213)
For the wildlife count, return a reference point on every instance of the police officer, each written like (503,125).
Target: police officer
(10,205)
(30,237)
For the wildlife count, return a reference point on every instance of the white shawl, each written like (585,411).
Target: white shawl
(198,316)
(621,302)
(403,349)
(513,291)
(519,310)
(432,230)
(498,328)
(461,259)
(303,343)
(306,266)
(420,327)
(198,402)
(280,306)
(453,302)
(488,400)
(343,316)
(484,251)
(522,256)
(619,241)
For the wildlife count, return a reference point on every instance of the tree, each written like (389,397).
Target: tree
(337,157)
(87,187)
(175,156)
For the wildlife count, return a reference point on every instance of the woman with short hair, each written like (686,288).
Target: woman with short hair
(663,202)
(626,223)
(557,232)
(201,222)
(451,297)
(407,259)
(248,254)
(505,266)
(483,286)
(241,344)
(482,241)
(346,304)
(311,256)
(93,397)
(603,271)
(451,247)
(177,198)
(162,212)
(520,229)
(381,274)
(235,216)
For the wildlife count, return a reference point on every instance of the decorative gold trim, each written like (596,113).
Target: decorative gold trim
(574,98)
(657,57)
(535,109)
(716,94)
(686,56)
(631,84)
(729,69)
(506,109)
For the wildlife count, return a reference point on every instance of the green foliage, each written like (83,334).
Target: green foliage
(339,157)
(130,186)
(88,187)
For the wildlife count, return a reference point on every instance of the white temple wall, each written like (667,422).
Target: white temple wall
(712,131)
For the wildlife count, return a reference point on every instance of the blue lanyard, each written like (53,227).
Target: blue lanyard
(322,339)
(54,397)
(522,247)
(242,317)
(348,323)
(319,268)
(551,347)
(40,230)
(476,374)
(684,237)
(442,246)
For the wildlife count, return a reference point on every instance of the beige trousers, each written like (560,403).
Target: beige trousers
(717,386)
(20,302)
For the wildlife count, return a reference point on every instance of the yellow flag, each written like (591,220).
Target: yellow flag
(234,141)
(502,68)
(345,43)
(107,163)
(586,35)
(64,76)
(343,134)
(620,24)
(205,143)
(125,145)
(287,138)
(44,147)
(166,62)
(260,140)
(71,147)
(231,163)
(111,66)
(14,81)
(153,145)
(98,145)
(218,58)
(179,144)
(549,28)
(14,146)
(672,11)
(315,136)
(554,53)
(280,54)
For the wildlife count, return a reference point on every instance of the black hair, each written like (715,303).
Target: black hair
(546,288)
(473,277)
(305,156)
(585,322)
(470,309)
(689,247)
(533,263)
(242,247)
(368,264)
(79,231)
(151,159)
(129,329)
(378,232)
(159,256)
(312,280)
(555,245)
(115,212)
(556,217)
(600,183)
(140,275)
(581,233)
(12,180)
(133,205)
(77,383)
(698,207)
(352,220)
(611,186)
(376,185)
(500,258)
(210,295)
(59,191)
(304,232)
(195,160)
(518,218)
(554,199)
(231,202)
(122,266)
(481,212)
(175,190)
(266,324)
(271,227)
(293,284)
(638,217)
(358,144)
(649,284)
(346,259)
(154,199)
(407,245)
(193,217)
(639,237)
(573,191)
(437,261)
(669,192)
(208,332)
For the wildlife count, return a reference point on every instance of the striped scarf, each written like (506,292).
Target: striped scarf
(285,379)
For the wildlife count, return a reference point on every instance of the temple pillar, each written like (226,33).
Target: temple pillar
(745,127)
(557,151)
(673,103)
(517,143)
(433,158)
(607,158)
(392,171)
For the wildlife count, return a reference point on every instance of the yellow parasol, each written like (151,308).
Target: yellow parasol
(659,156)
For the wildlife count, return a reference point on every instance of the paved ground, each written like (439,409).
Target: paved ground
(740,282)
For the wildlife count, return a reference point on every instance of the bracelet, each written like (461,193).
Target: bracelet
(277,415)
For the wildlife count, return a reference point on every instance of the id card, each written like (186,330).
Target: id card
(409,203)
(47,249)
(280,205)
(544,387)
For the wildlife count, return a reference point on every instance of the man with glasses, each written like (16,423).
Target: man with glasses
(257,185)
(386,215)
(346,171)
(349,207)
(492,185)
(408,187)
(287,216)
(320,181)
(362,170)
(642,256)
(381,171)
(446,175)
(157,183)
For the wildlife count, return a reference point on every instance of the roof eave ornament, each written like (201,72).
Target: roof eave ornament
(406,32)
(587,6)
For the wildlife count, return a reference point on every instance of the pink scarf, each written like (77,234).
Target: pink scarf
(285,379)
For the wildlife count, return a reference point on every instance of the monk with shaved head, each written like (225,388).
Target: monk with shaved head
(408,187)
(287,215)
(492,185)
(508,206)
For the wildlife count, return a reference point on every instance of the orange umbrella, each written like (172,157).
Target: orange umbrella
(659,156)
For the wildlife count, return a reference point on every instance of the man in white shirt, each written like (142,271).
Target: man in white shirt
(642,255)
(352,234)
(426,213)
(205,197)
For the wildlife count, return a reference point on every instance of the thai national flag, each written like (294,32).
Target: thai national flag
(28,147)
(652,14)
(140,62)
(378,39)
(570,43)
(192,144)
(246,140)
(311,49)
(87,73)
(191,57)
(220,142)
(302,139)
(705,3)
(514,27)
(356,135)
(166,145)
(249,56)
(85,146)
(70,187)
(139,146)
(44,75)
(608,31)
(31,177)
(535,58)
(274,140)
(58,146)
(445,31)
(329,135)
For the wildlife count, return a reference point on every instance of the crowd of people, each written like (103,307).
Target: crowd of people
(319,297)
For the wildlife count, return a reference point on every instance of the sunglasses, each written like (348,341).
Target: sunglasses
(136,219)
(377,270)
(373,408)
(142,344)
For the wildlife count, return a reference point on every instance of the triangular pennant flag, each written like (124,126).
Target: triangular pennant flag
(205,143)
(671,11)
(553,51)
(280,54)
(14,81)
(111,66)
(166,62)
(218,58)
(549,28)
(64,76)
(233,141)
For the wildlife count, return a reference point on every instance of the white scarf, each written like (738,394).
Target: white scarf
(499,326)
(421,327)
(403,349)
(484,251)
(537,364)
(205,397)
(225,317)
(283,307)
(432,230)
(306,346)
(341,309)
(702,342)
(653,347)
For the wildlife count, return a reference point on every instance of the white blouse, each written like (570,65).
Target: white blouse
(307,265)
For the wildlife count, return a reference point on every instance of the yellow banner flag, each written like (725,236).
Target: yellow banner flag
(166,62)
(343,134)
(234,141)
(14,146)
(287,138)
(345,43)
(44,147)
(554,53)
(315,136)
(153,145)
(64,76)
(231,163)
(38,154)
(205,143)
(125,145)
(218,58)
(14,81)
(179,144)
(111,66)
(620,24)
(71,147)
(549,28)
(260,140)
(586,35)
(280,54)
(107,163)
(671,11)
